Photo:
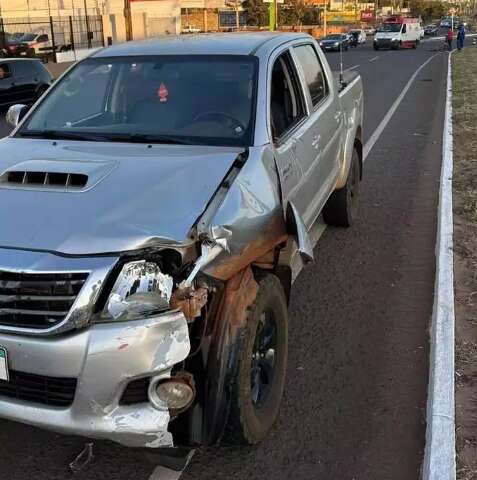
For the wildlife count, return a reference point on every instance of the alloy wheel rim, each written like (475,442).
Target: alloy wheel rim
(263,359)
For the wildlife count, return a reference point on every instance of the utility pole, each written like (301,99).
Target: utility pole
(127,17)
(87,23)
(324,20)
(237,15)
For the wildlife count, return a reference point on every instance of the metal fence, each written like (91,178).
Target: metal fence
(58,34)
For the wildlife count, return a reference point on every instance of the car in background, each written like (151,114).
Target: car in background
(22,81)
(334,42)
(35,43)
(190,29)
(431,30)
(360,34)
(370,31)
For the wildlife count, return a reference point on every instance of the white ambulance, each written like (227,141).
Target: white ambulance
(398,32)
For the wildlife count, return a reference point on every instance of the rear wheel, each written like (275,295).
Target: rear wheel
(260,378)
(342,207)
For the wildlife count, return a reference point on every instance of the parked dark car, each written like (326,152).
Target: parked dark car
(335,41)
(22,81)
(431,30)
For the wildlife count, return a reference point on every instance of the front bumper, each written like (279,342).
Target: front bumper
(104,359)
(386,43)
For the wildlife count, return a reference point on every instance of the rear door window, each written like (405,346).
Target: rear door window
(25,70)
(313,72)
(5,71)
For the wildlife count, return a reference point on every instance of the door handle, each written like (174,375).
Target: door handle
(316,141)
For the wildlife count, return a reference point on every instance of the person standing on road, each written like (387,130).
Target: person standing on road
(461,37)
(450,38)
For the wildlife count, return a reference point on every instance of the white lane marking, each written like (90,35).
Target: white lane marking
(379,130)
(439,456)
(374,58)
(163,473)
(352,68)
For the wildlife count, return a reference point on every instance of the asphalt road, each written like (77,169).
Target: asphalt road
(354,405)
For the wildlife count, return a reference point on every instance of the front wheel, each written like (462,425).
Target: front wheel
(257,388)
(342,207)
(376,47)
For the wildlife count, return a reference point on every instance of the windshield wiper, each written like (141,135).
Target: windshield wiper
(146,138)
(60,135)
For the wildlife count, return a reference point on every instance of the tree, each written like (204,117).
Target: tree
(257,12)
(292,13)
(428,9)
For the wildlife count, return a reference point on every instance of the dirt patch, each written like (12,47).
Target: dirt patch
(465,258)
(57,69)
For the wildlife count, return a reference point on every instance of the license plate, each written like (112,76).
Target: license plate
(23,53)
(3,364)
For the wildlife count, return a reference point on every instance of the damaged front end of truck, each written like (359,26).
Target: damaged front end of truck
(139,347)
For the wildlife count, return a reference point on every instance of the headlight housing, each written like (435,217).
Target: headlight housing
(141,290)
(336,44)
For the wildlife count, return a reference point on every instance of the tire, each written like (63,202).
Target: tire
(342,207)
(376,47)
(415,44)
(253,411)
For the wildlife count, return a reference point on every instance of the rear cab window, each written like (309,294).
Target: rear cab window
(313,72)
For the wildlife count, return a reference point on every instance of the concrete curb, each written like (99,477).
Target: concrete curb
(439,457)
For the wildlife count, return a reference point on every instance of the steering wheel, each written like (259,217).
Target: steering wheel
(231,121)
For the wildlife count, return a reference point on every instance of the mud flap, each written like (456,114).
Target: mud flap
(298,228)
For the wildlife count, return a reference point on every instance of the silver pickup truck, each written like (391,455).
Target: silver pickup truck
(156,205)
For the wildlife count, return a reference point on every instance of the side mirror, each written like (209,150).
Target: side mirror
(15,114)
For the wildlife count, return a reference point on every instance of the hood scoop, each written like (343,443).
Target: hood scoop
(45,179)
(55,175)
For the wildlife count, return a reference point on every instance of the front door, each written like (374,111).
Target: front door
(287,118)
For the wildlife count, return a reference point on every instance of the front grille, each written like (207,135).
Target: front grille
(136,392)
(57,392)
(39,300)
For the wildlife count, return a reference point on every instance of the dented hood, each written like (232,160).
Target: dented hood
(135,196)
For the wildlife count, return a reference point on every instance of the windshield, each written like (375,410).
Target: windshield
(28,37)
(193,99)
(390,27)
(333,37)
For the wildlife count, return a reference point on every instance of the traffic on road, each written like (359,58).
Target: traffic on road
(187,286)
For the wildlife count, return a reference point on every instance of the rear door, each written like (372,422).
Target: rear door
(318,149)
(7,96)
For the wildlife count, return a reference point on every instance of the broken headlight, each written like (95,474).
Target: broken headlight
(141,290)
